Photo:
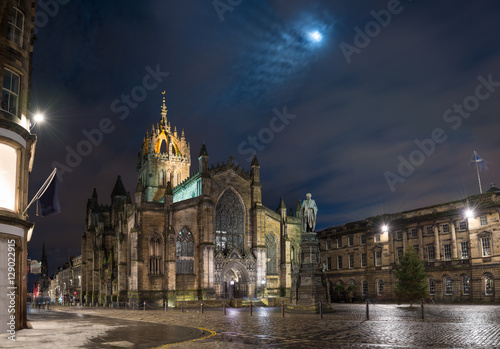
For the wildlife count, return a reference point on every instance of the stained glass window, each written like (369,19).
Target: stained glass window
(229,225)
(155,254)
(184,251)
(272,258)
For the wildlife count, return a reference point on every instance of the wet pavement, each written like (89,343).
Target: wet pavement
(390,326)
(59,329)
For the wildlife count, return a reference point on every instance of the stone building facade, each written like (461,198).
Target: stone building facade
(186,237)
(459,243)
(17,147)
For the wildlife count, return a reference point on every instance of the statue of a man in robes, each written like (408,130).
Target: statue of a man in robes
(308,212)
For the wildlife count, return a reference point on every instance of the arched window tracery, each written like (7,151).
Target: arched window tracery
(229,227)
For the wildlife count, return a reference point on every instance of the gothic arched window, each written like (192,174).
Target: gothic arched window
(184,251)
(272,255)
(229,223)
(155,254)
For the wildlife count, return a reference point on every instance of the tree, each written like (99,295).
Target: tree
(411,281)
(351,289)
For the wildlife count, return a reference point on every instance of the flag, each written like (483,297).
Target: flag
(481,164)
(49,201)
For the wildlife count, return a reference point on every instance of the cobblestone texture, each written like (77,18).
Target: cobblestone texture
(444,326)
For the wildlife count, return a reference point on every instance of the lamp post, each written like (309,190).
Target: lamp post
(231,288)
(263,286)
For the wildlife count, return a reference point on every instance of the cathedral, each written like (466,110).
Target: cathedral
(186,236)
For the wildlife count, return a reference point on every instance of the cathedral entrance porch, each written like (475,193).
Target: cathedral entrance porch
(235,281)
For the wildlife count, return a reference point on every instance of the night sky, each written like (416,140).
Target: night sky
(355,99)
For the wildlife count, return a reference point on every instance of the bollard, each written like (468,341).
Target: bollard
(321,309)
(224,308)
(182,306)
(282,308)
(144,305)
(251,308)
(202,307)
(367,310)
(422,307)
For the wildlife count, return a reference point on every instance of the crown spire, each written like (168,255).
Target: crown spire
(164,111)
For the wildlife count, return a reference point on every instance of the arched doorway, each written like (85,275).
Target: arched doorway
(235,283)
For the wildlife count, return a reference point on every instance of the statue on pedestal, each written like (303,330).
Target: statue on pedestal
(308,211)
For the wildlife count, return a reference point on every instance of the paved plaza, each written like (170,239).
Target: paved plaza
(390,326)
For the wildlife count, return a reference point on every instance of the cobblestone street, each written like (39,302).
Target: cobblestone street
(444,326)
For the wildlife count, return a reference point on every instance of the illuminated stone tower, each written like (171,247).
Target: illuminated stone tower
(164,157)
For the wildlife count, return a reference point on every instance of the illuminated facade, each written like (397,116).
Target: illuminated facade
(200,236)
(17,147)
(460,250)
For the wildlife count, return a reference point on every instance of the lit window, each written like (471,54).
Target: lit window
(462,225)
(400,254)
(339,242)
(466,285)
(432,287)
(363,239)
(351,261)
(185,252)
(351,240)
(8,176)
(364,287)
(431,253)
(380,287)
(363,259)
(488,285)
(465,249)
(485,243)
(448,286)
(339,262)
(10,91)
(483,220)
(15,26)
(446,228)
(378,258)
(447,252)
(376,238)
(155,254)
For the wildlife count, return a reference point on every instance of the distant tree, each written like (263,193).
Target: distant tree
(411,281)
(340,291)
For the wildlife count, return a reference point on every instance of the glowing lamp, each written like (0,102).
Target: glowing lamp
(39,117)
(263,281)
(385,228)
(469,213)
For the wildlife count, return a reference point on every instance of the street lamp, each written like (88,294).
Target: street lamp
(263,286)
(37,118)
(469,213)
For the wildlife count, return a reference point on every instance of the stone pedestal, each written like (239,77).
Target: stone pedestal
(309,287)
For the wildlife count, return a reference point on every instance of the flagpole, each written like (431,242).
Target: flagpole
(42,190)
(477,169)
